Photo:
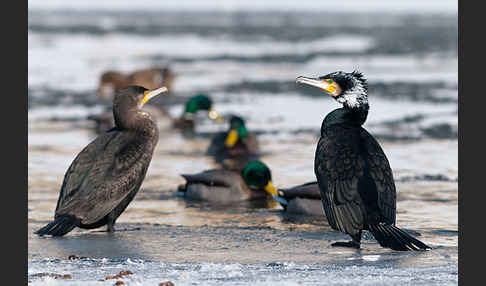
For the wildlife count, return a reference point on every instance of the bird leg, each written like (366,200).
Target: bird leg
(110,227)
(355,243)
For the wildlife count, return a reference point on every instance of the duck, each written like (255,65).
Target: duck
(228,186)
(235,147)
(303,199)
(107,174)
(196,103)
(353,173)
(150,78)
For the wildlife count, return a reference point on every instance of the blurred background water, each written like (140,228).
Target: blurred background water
(246,56)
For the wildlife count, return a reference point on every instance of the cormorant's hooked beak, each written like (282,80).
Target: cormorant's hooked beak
(323,84)
(149,94)
(214,115)
(231,139)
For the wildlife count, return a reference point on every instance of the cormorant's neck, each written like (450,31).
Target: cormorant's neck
(357,115)
(140,122)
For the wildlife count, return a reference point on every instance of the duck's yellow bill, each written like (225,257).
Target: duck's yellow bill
(214,115)
(231,139)
(149,94)
(270,188)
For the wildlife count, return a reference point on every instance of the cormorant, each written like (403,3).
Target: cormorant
(193,105)
(235,147)
(227,186)
(107,174)
(302,199)
(112,81)
(353,173)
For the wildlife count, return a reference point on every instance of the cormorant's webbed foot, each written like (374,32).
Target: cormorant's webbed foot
(352,244)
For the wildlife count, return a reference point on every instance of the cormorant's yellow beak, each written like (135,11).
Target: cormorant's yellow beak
(214,115)
(327,85)
(149,94)
(270,188)
(231,139)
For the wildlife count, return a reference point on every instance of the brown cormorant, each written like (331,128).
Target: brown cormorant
(227,186)
(236,147)
(112,81)
(200,102)
(353,173)
(107,174)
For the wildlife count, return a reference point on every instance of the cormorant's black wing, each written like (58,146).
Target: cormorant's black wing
(338,168)
(101,176)
(381,173)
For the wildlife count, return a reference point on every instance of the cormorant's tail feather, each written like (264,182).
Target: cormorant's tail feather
(59,227)
(392,237)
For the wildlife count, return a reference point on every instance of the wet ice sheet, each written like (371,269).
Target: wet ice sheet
(152,273)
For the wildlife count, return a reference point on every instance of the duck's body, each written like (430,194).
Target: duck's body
(354,176)
(107,174)
(236,147)
(227,186)
(302,199)
(221,186)
(150,78)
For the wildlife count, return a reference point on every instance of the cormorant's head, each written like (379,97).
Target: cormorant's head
(128,102)
(349,89)
(201,102)
(236,131)
(258,176)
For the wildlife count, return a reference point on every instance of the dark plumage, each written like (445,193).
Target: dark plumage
(112,81)
(302,199)
(227,186)
(353,173)
(107,174)
(236,147)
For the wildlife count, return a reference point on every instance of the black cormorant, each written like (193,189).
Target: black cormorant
(354,176)
(227,186)
(107,174)
(236,147)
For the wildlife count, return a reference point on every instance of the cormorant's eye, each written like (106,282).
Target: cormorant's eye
(330,81)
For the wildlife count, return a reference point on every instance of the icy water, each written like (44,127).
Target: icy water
(247,62)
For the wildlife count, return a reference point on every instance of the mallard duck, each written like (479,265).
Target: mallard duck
(303,199)
(150,78)
(200,102)
(237,145)
(227,186)
(107,174)
(354,176)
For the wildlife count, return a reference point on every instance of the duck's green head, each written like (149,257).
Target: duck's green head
(201,102)
(258,176)
(236,131)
